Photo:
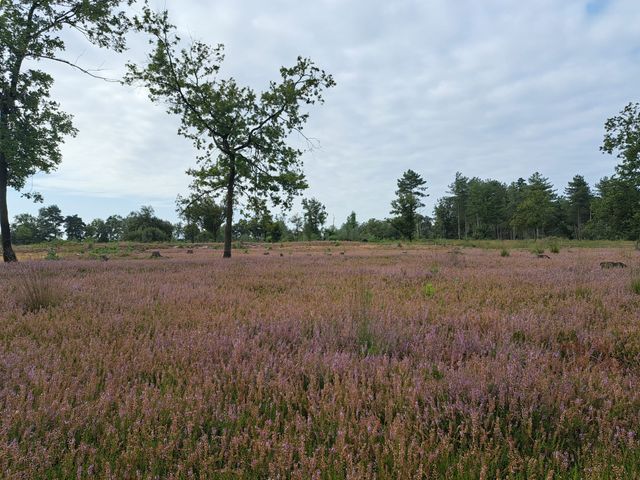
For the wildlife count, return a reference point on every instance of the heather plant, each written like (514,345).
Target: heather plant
(324,367)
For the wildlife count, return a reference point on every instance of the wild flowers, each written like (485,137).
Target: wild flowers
(335,366)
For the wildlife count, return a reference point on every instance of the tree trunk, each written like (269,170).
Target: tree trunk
(5,229)
(229,210)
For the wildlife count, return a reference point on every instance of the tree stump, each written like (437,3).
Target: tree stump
(612,265)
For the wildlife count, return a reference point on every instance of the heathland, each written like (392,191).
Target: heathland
(321,360)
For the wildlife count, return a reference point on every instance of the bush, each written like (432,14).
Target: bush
(635,286)
(505,253)
(554,245)
(148,234)
(52,254)
(429,290)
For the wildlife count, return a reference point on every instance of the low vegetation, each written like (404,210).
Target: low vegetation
(384,363)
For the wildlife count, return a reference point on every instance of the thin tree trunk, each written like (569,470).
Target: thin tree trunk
(229,210)
(7,250)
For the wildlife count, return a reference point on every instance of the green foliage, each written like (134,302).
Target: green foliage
(505,252)
(50,222)
(315,216)
(428,290)
(580,198)
(350,229)
(535,210)
(201,213)
(554,246)
(32,126)
(616,210)
(622,138)
(74,227)
(411,188)
(242,135)
(144,226)
(52,253)
(635,285)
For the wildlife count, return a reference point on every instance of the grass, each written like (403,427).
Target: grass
(38,290)
(312,365)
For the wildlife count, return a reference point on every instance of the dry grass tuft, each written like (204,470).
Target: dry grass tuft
(38,290)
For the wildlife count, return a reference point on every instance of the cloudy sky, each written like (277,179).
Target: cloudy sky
(492,88)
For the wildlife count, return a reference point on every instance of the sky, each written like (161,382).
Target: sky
(492,88)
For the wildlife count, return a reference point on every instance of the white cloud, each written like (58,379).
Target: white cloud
(493,88)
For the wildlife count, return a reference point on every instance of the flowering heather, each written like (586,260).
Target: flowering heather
(316,363)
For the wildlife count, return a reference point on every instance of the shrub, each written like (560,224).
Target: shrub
(635,286)
(505,253)
(429,290)
(148,234)
(554,245)
(37,291)
(52,254)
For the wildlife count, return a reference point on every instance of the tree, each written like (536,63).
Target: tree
(411,188)
(315,216)
(204,213)
(460,191)
(74,227)
(50,222)
(97,230)
(516,192)
(535,210)
(32,126)
(622,137)
(25,229)
(579,197)
(445,218)
(144,226)
(298,225)
(349,230)
(615,212)
(374,230)
(242,134)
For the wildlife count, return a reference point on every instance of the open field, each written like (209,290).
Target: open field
(321,361)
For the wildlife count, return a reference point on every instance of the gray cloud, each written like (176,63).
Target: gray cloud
(492,88)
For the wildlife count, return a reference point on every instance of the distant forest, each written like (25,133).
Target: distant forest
(474,209)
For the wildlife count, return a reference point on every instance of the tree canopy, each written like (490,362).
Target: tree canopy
(32,126)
